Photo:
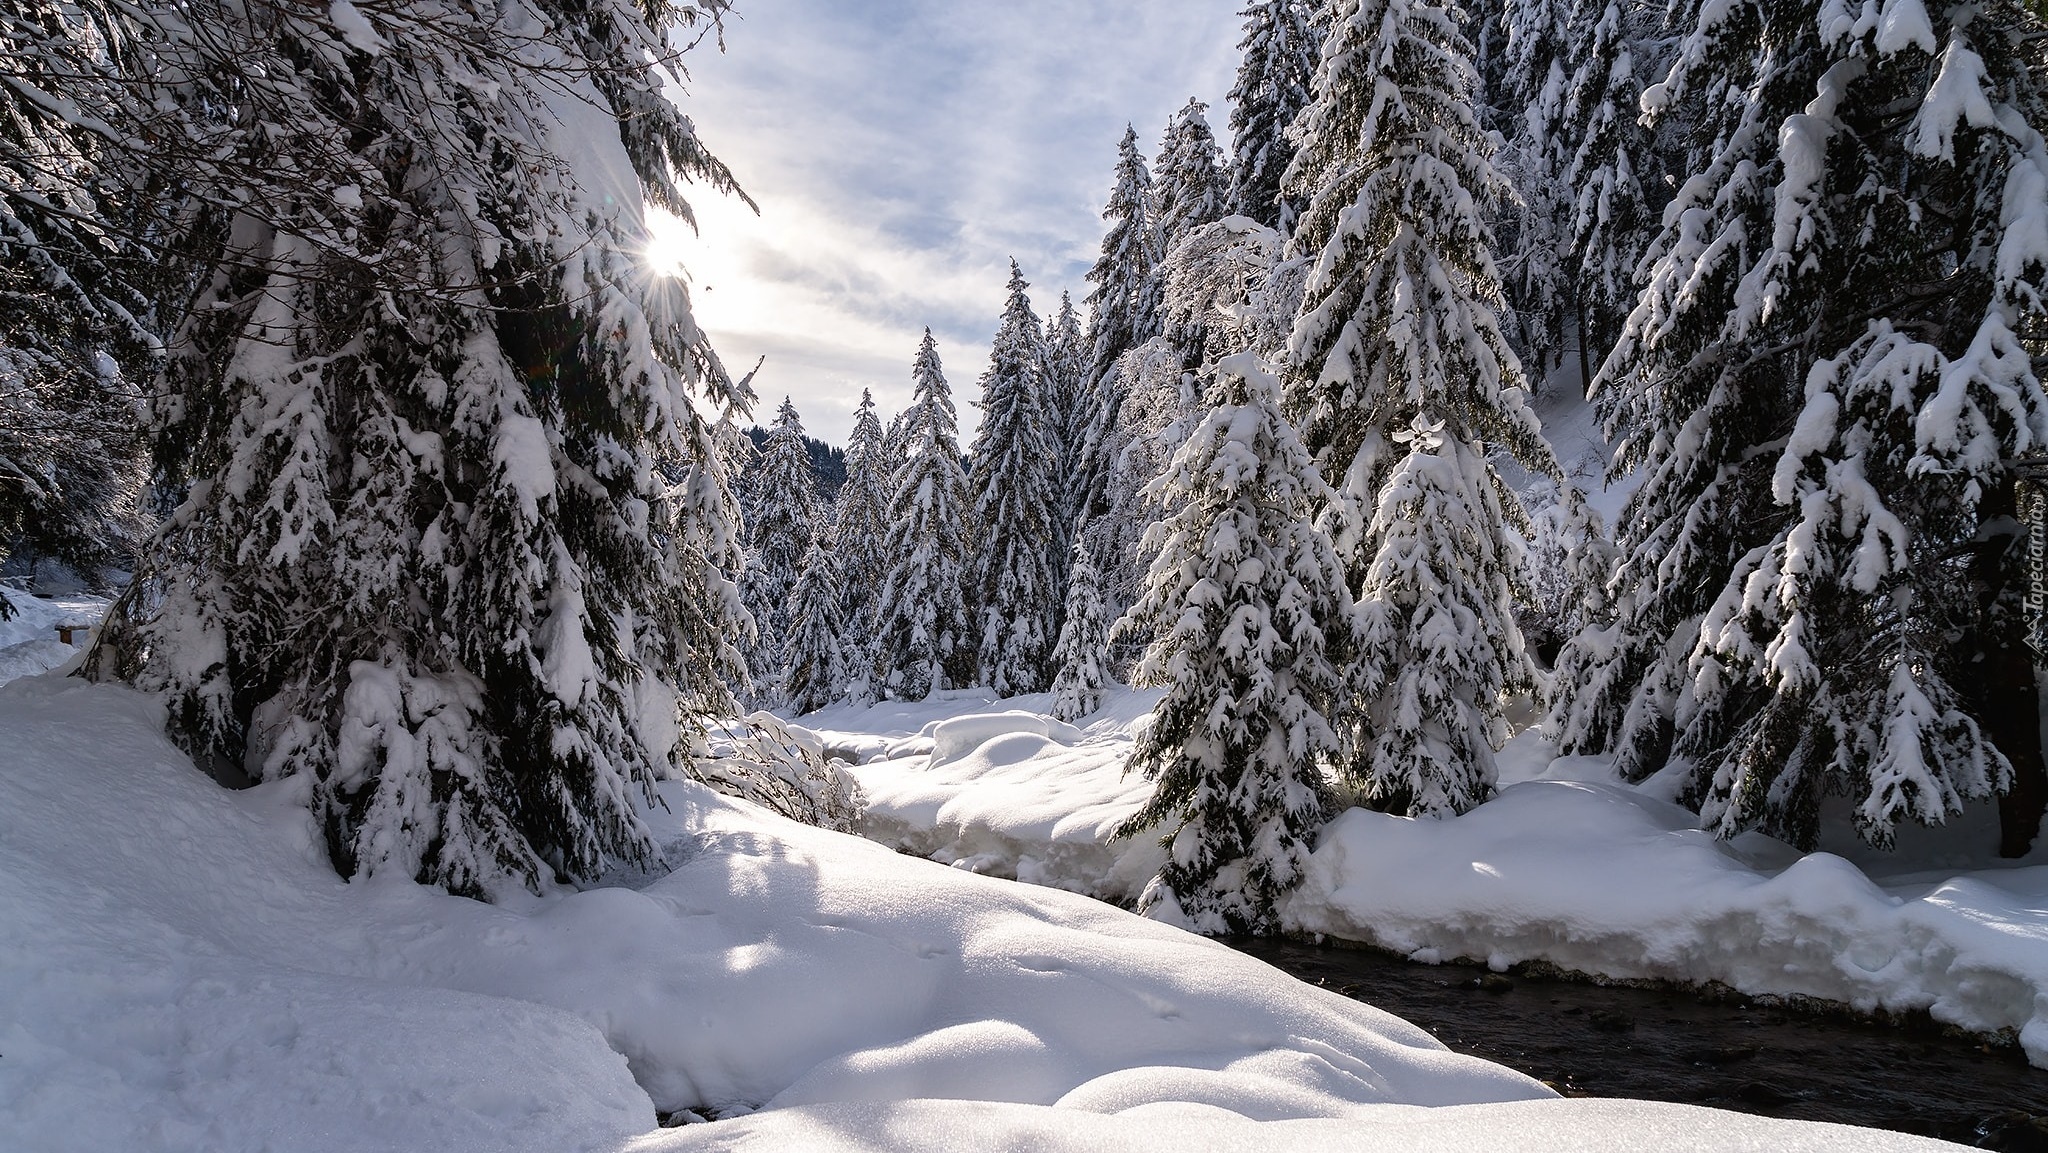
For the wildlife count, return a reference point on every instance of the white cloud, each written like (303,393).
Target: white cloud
(902,152)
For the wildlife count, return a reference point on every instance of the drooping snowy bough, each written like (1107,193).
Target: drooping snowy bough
(1825,384)
(453,541)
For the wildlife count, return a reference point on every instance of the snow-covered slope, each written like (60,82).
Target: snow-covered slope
(182,970)
(1567,865)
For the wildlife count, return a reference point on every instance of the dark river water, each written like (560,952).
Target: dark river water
(1702,1048)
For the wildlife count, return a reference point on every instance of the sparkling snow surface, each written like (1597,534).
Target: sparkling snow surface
(182,970)
(1566,865)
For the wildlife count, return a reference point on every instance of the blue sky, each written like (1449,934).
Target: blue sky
(902,152)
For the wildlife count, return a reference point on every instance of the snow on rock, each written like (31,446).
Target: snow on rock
(29,641)
(1584,1125)
(1607,879)
(182,969)
(957,737)
(1009,792)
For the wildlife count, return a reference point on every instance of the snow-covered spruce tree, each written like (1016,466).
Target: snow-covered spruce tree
(815,653)
(1158,401)
(1439,644)
(925,639)
(1082,654)
(895,446)
(1567,563)
(781,512)
(1823,385)
(1190,185)
(1219,294)
(425,554)
(1485,25)
(1535,80)
(1123,307)
(1399,322)
(1279,49)
(1018,506)
(1220,297)
(75,291)
(1250,623)
(1067,356)
(861,528)
(1607,154)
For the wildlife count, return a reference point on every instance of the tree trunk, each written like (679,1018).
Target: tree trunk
(2008,694)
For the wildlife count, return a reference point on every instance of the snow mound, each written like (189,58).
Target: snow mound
(1584,1125)
(30,658)
(1606,879)
(1012,793)
(182,970)
(957,737)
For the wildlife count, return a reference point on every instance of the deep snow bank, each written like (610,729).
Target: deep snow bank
(1586,1125)
(1603,878)
(1567,865)
(182,970)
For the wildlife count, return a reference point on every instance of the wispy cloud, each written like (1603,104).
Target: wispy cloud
(902,152)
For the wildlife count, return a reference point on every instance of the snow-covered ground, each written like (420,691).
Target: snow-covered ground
(29,641)
(181,969)
(1566,865)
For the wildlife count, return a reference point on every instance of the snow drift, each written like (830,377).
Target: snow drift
(1575,868)
(183,970)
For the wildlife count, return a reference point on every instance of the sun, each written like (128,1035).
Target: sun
(670,242)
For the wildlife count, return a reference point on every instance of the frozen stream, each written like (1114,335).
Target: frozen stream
(1724,1051)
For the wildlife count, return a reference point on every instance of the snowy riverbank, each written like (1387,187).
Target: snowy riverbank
(1567,866)
(183,970)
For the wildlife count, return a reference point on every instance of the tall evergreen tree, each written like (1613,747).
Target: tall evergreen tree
(781,515)
(1221,297)
(74,291)
(1017,507)
(1279,49)
(1439,643)
(861,527)
(426,553)
(1399,322)
(1124,305)
(1250,623)
(1082,654)
(1823,385)
(1607,154)
(1538,41)
(816,651)
(1123,308)
(926,639)
(1067,354)
(1191,185)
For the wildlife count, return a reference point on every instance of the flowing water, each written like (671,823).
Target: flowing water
(1702,1047)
